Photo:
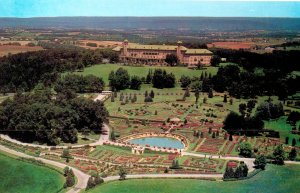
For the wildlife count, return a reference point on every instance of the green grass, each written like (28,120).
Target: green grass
(283,128)
(276,179)
(103,70)
(19,176)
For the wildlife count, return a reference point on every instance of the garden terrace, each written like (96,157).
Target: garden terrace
(124,127)
(205,165)
(106,159)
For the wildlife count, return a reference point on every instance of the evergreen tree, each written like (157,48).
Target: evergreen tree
(151,94)
(293,154)
(202,76)
(70,179)
(230,101)
(260,162)
(244,169)
(197,94)
(148,99)
(287,140)
(134,97)
(225,98)
(90,183)
(210,93)
(279,155)
(122,173)
(213,135)
(149,77)
(187,92)
(238,172)
(66,171)
(245,149)
(204,100)
(229,173)
(98,180)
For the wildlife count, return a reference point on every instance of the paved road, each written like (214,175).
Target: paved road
(82,178)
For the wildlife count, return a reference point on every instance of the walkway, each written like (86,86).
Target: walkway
(136,176)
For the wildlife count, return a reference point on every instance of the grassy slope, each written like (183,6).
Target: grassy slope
(275,179)
(19,176)
(103,70)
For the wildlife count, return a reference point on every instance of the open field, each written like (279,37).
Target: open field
(276,179)
(103,70)
(20,176)
(6,49)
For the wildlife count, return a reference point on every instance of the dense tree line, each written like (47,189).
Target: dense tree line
(40,116)
(79,84)
(245,123)
(269,110)
(283,61)
(248,84)
(25,70)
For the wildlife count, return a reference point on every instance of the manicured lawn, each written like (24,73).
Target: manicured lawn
(22,177)
(276,179)
(283,128)
(103,70)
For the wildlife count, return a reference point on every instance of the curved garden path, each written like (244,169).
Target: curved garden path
(82,178)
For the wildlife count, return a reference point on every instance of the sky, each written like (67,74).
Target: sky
(207,8)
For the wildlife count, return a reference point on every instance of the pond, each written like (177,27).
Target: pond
(159,142)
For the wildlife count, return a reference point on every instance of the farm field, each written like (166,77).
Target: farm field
(6,49)
(231,45)
(275,179)
(100,44)
(103,70)
(27,178)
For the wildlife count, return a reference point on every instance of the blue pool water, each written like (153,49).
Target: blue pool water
(159,142)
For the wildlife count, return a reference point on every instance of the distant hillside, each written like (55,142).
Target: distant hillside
(156,23)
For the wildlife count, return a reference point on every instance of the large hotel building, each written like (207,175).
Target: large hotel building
(156,54)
